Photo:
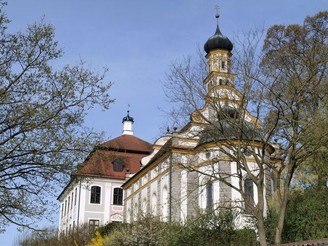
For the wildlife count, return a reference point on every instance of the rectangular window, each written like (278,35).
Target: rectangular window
(118,196)
(72,200)
(95,194)
(93,225)
(69,199)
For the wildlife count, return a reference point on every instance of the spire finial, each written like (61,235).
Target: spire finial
(128,111)
(217,15)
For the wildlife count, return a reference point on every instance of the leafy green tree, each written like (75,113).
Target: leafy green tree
(295,82)
(306,215)
(42,110)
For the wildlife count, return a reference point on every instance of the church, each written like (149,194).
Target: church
(211,162)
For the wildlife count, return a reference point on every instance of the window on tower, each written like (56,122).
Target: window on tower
(223,65)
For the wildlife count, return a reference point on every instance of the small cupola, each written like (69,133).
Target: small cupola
(218,41)
(127,124)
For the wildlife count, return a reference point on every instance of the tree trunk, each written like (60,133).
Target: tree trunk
(261,231)
(283,205)
(260,216)
(281,219)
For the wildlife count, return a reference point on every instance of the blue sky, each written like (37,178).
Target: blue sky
(137,41)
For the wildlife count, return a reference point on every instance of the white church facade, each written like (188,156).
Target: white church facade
(208,164)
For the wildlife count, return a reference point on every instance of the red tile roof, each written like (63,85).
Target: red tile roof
(127,148)
(128,143)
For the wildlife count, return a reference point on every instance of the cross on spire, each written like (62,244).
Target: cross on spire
(217,15)
(216,6)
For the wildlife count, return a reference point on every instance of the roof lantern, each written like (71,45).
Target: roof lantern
(128,118)
(127,124)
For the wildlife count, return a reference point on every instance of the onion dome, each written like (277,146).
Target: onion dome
(218,41)
(128,118)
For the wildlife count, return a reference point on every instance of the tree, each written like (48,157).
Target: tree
(306,215)
(282,90)
(295,68)
(42,110)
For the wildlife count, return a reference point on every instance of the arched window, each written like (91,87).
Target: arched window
(118,196)
(95,194)
(209,195)
(249,194)
(249,187)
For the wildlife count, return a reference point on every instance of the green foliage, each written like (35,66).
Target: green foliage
(49,237)
(245,237)
(206,230)
(42,110)
(146,231)
(108,228)
(271,222)
(307,215)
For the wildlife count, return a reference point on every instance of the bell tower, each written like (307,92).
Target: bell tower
(218,53)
